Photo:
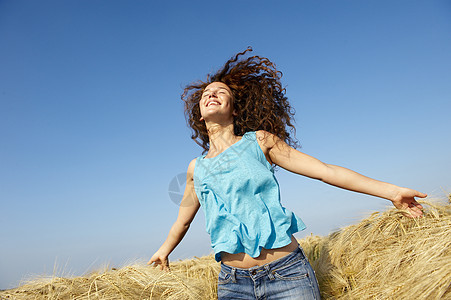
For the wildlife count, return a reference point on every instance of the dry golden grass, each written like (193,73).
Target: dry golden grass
(188,279)
(386,256)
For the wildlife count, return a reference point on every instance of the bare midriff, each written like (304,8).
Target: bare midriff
(244,261)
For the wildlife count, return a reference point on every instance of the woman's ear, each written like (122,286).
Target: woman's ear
(201,119)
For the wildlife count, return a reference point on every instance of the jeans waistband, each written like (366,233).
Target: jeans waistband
(258,271)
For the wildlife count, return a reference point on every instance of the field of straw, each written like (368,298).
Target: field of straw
(386,256)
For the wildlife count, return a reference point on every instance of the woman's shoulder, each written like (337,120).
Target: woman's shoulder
(261,134)
(191,166)
(258,134)
(265,138)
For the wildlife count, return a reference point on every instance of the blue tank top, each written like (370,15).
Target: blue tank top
(240,197)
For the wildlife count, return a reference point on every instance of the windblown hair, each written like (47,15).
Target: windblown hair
(258,99)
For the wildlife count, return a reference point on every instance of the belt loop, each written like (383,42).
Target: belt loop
(303,253)
(233,275)
(270,274)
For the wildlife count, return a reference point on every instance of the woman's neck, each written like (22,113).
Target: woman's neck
(221,137)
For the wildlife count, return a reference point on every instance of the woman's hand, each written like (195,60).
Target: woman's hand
(405,200)
(161,260)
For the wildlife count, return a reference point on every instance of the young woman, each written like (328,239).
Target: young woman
(240,117)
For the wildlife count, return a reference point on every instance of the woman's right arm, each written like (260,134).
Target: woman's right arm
(188,209)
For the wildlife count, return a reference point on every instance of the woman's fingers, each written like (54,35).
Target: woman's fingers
(415,211)
(161,263)
(421,195)
(413,208)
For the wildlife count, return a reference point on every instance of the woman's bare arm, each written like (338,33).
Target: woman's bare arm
(187,211)
(297,162)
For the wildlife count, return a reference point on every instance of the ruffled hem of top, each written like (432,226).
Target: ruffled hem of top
(234,249)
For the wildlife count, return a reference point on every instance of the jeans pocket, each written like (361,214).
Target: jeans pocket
(295,271)
(224,277)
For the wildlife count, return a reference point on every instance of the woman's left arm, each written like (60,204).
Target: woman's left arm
(297,162)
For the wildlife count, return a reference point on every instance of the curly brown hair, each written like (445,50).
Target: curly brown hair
(258,99)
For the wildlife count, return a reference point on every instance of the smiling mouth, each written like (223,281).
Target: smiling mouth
(213,102)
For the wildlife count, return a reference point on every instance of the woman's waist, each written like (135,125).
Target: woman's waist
(245,261)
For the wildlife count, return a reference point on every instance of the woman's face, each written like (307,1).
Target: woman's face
(216,103)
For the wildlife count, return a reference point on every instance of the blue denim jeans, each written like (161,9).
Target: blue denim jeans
(289,277)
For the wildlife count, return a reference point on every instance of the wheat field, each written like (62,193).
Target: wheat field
(385,256)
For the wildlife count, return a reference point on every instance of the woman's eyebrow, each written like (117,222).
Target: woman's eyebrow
(222,88)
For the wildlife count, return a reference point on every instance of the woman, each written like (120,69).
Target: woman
(240,117)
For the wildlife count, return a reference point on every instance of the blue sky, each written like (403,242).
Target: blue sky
(93,132)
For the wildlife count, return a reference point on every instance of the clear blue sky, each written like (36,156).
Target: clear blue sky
(92,127)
